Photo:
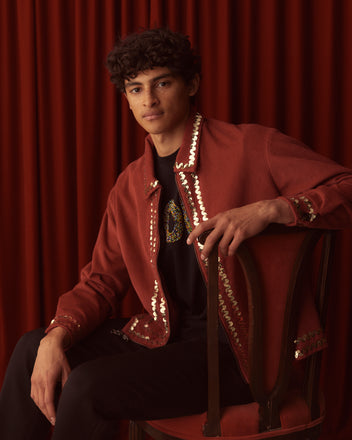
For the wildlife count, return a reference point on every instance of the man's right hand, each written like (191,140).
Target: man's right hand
(51,367)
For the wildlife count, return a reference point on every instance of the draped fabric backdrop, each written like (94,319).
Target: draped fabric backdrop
(65,133)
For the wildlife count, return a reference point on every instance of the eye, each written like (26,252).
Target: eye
(135,90)
(162,84)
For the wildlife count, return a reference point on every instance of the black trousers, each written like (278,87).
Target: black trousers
(114,379)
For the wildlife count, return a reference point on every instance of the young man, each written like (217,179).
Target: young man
(195,175)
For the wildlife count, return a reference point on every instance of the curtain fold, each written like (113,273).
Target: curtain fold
(65,133)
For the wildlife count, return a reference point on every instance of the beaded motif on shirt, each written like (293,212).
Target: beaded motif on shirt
(175,220)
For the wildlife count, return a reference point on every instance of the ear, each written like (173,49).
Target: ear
(194,85)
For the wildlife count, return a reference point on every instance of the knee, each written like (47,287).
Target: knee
(78,387)
(27,347)
(87,390)
(32,338)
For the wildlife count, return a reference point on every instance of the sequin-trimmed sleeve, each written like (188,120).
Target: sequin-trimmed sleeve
(68,323)
(318,189)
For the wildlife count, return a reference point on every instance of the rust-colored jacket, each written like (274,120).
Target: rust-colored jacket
(218,167)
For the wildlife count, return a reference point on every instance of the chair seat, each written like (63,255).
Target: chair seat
(241,422)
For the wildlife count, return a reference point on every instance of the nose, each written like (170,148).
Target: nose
(150,98)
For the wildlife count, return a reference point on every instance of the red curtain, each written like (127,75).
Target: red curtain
(65,133)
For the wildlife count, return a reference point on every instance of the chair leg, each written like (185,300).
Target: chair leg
(135,431)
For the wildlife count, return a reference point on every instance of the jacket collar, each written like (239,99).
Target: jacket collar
(187,157)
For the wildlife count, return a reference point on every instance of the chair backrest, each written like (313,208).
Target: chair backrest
(286,271)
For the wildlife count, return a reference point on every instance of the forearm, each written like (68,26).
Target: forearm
(275,211)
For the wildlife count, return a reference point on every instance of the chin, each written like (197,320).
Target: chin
(154,128)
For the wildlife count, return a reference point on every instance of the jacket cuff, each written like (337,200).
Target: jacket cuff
(67,322)
(303,210)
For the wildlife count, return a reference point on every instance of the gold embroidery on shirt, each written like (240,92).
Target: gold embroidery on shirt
(173,224)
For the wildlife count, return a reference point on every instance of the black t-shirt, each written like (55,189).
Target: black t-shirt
(177,261)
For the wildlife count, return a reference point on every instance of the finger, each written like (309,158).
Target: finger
(196,233)
(198,230)
(37,395)
(210,242)
(226,240)
(235,243)
(231,240)
(49,409)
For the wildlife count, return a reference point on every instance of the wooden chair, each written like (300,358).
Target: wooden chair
(283,407)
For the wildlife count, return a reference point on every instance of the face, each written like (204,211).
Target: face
(159,100)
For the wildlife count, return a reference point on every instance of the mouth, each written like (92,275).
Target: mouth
(150,116)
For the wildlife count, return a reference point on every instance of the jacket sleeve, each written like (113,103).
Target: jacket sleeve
(318,190)
(103,283)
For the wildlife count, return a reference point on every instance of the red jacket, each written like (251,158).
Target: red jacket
(218,167)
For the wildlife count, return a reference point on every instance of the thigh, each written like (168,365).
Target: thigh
(106,340)
(169,381)
(140,384)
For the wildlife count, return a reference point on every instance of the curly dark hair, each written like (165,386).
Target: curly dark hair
(152,48)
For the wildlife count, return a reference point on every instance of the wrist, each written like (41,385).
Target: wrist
(279,211)
(285,214)
(57,335)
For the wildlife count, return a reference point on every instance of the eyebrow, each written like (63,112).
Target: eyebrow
(137,83)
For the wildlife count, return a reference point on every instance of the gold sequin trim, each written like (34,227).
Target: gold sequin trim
(306,213)
(134,323)
(187,189)
(308,336)
(151,185)
(152,230)
(310,349)
(162,306)
(140,335)
(228,289)
(234,304)
(199,197)
(59,318)
(185,183)
(192,151)
(154,298)
(227,317)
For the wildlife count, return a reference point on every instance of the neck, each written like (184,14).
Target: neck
(166,146)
